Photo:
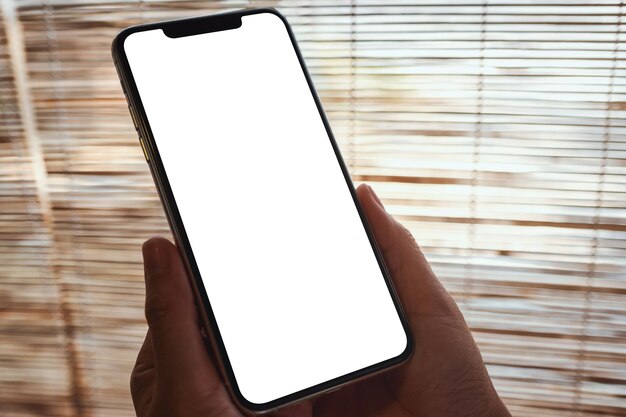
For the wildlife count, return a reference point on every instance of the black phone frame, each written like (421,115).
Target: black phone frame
(212,23)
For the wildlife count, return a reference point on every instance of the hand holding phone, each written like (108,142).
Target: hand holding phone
(293,289)
(445,378)
(291,285)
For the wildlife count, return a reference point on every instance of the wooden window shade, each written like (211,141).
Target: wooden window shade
(495,130)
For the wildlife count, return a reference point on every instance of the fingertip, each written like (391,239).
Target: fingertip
(368,197)
(156,243)
(364,192)
(164,271)
(373,196)
(157,259)
(382,223)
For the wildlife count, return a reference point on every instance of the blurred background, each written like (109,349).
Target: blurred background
(495,130)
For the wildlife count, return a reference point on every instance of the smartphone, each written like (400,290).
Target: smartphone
(293,290)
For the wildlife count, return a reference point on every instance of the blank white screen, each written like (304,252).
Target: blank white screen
(290,274)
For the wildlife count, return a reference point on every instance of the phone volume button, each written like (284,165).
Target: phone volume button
(143,147)
(134,117)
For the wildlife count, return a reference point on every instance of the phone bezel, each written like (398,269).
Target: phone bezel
(169,204)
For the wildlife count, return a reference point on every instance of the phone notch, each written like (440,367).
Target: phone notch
(197,26)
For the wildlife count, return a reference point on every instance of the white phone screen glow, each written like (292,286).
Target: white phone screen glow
(293,281)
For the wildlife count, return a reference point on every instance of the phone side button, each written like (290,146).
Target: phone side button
(134,117)
(143,148)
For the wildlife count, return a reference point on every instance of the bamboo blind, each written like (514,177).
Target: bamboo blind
(495,130)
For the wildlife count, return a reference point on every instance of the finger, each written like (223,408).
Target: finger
(143,376)
(419,289)
(180,355)
(145,357)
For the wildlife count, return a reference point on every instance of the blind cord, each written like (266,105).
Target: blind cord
(581,356)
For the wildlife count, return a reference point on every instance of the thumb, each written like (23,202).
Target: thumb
(180,356)
(419,290)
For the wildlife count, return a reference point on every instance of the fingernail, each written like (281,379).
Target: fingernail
(154,258)
(371,190)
